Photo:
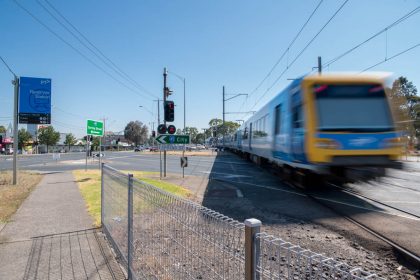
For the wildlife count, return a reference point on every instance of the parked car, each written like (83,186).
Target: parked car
(138,149)
(153,149)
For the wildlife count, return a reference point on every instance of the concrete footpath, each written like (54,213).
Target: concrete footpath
(51,237)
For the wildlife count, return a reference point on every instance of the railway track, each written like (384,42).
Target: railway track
(407,254)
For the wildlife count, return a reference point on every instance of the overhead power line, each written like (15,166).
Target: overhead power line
(301,52)
(7,66)
(395,23)
(92,48)
(76,50)
(392,57)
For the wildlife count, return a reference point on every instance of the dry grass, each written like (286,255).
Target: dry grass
(89,183)
(11,197)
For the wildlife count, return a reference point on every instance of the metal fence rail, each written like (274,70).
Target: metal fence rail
(161,236)
(279,259)
(114,209)
(177,239)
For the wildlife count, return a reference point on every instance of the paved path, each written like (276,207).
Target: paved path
(51,237)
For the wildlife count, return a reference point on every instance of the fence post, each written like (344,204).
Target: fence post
(102,194)
(130,227)
(252,248)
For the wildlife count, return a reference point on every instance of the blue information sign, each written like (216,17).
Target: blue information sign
(34,100)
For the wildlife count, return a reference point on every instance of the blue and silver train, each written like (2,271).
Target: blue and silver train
(323,124)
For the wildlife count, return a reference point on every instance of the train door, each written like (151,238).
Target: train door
(298,130)
(279,140)
(250,135)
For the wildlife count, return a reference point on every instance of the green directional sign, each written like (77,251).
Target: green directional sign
(95,128)
(173,139)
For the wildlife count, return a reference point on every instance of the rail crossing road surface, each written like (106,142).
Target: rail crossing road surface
(240,189)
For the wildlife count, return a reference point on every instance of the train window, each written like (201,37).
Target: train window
(297,116)
(245,136)
(277,123)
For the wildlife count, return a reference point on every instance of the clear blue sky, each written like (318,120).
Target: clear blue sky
(210,43)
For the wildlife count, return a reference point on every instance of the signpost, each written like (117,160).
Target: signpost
(34,100)
(32,105)
(173,139)
(94,128)
(184,163)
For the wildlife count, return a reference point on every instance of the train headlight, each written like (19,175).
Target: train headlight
(392,143)
(327,144)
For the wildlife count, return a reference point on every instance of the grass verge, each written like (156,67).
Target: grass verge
(89,183)
(11,197)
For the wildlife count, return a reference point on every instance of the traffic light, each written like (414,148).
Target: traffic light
(171,129)
(162,129)
(169,111)
(153,134)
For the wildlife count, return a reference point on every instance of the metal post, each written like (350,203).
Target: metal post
(100,150)
(15,130)
(130,227)
(319,65)
(164,120)
(184,104)
(87,148)
(102,194)
(252,248)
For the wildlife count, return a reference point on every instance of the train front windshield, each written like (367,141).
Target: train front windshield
(352,108)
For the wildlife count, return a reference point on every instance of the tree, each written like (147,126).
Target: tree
(192,131)
(200,138)
(136,132)
(2,129)
(218,129)
(178,131)
(406,107)
(70,140)
(48,136)
(23,138)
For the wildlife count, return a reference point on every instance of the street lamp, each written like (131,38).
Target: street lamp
(182,79)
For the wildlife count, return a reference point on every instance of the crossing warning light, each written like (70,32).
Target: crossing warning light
(169,111)
(171,129)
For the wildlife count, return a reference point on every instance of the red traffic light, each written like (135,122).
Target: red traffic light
(171,129)
(162,129)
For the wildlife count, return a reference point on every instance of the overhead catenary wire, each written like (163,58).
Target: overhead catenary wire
(391,57)
(77,50)
(288,48)
(301,52)
(390,26)
(92,48)
(286,51)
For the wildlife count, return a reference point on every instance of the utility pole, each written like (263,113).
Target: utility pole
(15,82)
(223,115)
(319,65)
(165,74)
(158,123)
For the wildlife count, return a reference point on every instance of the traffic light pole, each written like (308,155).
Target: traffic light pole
(165,73)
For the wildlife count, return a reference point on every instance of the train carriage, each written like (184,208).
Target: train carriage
(323,124)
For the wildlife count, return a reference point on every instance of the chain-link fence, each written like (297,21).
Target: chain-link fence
(161,236)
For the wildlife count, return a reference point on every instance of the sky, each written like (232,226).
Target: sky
(209,43)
